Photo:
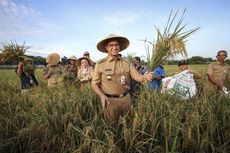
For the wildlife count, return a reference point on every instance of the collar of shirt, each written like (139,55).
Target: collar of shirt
(110,58)
(217,62)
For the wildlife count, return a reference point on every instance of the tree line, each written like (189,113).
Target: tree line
(10,54)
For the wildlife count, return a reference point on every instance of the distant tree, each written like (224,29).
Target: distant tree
(196,60)
(64,60)
(227,61)
(172,62)
(11,52)
(208,60)
(38,60)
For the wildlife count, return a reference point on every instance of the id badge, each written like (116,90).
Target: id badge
(122,79)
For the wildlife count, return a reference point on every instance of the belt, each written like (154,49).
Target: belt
(117,96)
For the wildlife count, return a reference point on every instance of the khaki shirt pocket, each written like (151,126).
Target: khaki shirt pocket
(107,74)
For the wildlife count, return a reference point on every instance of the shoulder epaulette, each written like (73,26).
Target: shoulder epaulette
(127,61)
(101,60)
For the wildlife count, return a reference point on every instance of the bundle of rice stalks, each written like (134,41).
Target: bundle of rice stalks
(11,52)
(171,42)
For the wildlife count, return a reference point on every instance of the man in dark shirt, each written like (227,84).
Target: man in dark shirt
(25,71)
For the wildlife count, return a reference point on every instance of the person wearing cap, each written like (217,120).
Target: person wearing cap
(55,73)
(85,71)
(72,69)
(183,65)
(87,55)
(111,78)
(218,75)
(25,71)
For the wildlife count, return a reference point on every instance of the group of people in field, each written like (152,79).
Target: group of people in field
(77,72)
(115,79)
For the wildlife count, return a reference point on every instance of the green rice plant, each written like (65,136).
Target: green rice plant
(71,120)
(170,42)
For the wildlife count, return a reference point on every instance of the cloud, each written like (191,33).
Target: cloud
(116,21)
(120,19)
(19,20)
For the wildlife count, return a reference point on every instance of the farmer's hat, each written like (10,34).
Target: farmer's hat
(124,42)
(72,58)
(182,62)
(80,59)
(53,58)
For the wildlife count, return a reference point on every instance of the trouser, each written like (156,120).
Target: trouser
(212,91)
(117,107)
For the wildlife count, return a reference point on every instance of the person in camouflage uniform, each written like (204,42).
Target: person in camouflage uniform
(55,72)
(72,70)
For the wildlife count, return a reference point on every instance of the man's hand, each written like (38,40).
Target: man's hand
(148,76)
(104,101)
(50,71)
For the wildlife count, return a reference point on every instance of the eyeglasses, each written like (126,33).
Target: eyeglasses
(114,45)
(222,55)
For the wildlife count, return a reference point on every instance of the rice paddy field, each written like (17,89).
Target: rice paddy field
(70,120)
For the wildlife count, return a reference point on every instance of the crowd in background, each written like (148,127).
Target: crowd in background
(114,79)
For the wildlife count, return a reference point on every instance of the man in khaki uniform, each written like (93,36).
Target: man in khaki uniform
(55,73)
(111,78)
(218,75)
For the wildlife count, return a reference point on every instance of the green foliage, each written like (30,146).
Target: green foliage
(64,60)
(70,120)
(38,60)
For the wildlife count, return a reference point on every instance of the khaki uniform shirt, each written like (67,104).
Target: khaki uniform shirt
(114,76)
(57,76)
(72,69)
(220,73)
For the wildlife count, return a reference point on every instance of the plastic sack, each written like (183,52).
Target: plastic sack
(182,85)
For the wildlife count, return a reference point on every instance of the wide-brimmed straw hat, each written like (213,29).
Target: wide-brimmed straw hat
(124,42)
(53,58)
(80,59)
(25,58)
(72,58)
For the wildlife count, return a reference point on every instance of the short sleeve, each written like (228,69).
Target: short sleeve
(137,76)
(96,78)
(159,72)
(210,69)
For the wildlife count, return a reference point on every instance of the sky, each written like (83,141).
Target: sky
(70,27)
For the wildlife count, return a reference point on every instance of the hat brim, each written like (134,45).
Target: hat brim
(80,59)
(124,43)
(53,59)
(72,58)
